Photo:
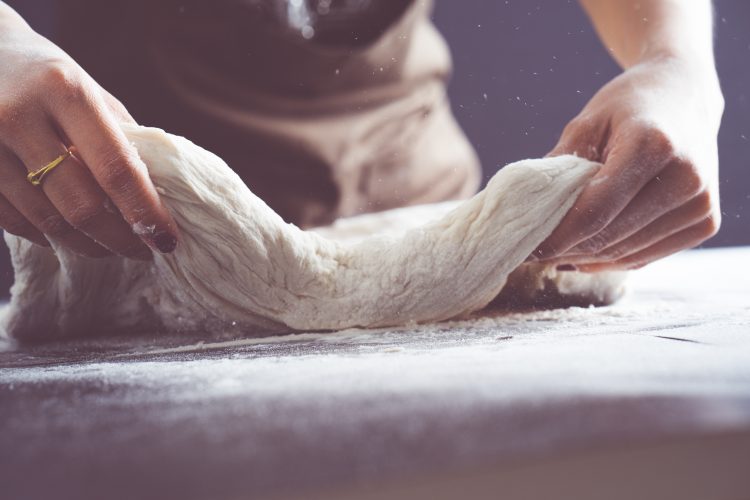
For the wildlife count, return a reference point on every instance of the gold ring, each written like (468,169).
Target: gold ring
(36,176)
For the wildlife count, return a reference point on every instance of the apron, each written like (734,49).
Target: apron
(323,113)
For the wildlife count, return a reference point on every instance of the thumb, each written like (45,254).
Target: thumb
(584,137)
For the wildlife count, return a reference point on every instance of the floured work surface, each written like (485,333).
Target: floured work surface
(649,398)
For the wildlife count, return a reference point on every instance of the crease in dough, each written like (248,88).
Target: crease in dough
(239,266)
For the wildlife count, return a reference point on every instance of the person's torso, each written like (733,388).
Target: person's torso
(326,108)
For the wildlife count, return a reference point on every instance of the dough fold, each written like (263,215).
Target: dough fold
(238,266)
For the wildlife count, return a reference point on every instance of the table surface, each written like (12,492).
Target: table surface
(591,400)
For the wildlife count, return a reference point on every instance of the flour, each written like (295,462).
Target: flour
(240,267)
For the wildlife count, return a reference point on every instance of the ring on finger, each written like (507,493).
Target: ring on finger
(35,177)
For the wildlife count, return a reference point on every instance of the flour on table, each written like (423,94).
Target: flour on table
(239,266)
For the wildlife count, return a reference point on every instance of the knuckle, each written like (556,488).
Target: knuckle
(72,92)
(595,243)
(656,142)
(63,81)
(689,177)
(615,253)
(56,74)
(54,225)
(649,142)
(117,171)
(87,217)
(711,225)
(592,222)
(704,203)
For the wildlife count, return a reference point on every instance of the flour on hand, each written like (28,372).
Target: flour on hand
(239,266)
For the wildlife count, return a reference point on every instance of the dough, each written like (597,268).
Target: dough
(240,267)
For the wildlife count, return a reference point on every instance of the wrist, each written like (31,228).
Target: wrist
(700,70)
(700,59)
(692,82)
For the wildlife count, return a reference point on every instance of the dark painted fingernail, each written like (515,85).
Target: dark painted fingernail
(566,267)
(165,242)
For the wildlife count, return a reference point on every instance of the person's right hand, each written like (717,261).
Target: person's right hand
(98,201)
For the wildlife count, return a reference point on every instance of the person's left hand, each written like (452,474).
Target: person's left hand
(655,129)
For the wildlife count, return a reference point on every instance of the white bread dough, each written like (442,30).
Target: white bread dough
(239,266)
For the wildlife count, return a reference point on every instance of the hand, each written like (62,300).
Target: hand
(98,201)
(655,129)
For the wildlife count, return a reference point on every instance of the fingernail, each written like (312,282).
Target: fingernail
(566,267)
(165,242)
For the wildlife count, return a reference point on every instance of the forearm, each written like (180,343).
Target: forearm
(635,31)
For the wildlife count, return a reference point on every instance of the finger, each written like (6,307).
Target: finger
(667,191)
(119,111)
(687,238)
(115,165)
(697,209)
(32,203)
(630,164)
(13,222)
(75,194)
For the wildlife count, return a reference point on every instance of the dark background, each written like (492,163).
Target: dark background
(523,68)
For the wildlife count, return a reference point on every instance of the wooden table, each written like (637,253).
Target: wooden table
(649,398)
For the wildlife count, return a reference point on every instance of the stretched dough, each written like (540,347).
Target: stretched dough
(238,265)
